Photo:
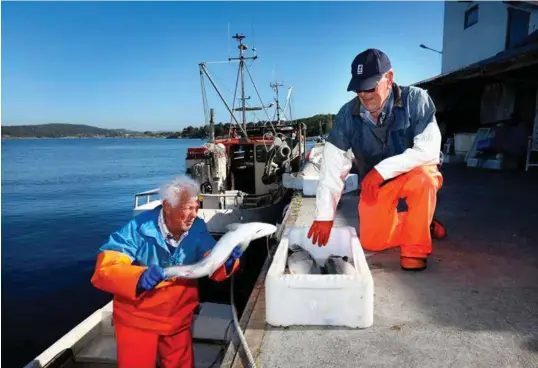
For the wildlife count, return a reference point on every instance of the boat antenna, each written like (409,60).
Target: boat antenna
(275,86)
(242,48)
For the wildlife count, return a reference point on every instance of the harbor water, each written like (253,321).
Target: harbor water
(61,198)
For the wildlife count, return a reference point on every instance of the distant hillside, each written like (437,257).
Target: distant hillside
(64,131)
(86,131)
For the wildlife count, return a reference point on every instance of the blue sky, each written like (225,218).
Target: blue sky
(134,65)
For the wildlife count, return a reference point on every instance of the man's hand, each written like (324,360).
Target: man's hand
(370,186)
(150,278)
(320,231)
(236,253)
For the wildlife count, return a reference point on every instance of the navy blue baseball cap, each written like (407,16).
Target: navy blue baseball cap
(367,69)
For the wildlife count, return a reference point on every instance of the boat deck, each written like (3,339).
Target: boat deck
(475,306)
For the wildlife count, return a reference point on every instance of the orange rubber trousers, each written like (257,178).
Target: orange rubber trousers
(381,227)
(138,348)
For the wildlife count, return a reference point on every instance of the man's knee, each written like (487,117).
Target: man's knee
(375,239)
(371,244)
(425,177)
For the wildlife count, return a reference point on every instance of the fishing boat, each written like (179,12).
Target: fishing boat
(240,174)
(92,343)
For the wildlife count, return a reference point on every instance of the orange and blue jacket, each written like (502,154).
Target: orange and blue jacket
(169,308)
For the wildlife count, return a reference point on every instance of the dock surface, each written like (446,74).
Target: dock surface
(476,305)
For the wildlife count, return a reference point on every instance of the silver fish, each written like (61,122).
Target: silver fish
(337,265)
(302,263)
(238,235)
(295,247)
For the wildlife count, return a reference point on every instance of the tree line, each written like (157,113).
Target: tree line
(313,125)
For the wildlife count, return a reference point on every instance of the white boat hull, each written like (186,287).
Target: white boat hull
(92,343)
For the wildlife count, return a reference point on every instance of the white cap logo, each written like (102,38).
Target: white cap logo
(359,69)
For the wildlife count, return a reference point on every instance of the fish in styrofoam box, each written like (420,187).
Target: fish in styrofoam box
(322,299)
(301,262)
(337,265)
(295,247)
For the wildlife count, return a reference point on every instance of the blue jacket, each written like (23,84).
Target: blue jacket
(143,242)
(169,307)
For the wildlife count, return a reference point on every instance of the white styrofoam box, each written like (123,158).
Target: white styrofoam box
(334,300)
(497,164)
(453,159)
(292,181)
(310,184)
(463,142)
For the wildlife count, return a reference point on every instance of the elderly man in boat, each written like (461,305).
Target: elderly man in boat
(394,136)
(153,316)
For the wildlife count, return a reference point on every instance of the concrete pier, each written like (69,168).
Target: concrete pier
(476,305)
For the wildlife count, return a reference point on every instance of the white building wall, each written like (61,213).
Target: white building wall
(464,46)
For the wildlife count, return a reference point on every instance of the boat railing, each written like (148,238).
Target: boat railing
(223,195)
(148,194)
(247,200)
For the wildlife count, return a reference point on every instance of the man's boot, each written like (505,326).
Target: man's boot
(413,264)
(437,230)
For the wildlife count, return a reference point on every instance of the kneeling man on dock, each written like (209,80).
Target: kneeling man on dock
(394,136)
(153,316)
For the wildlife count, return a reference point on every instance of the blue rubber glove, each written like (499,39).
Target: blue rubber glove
(236,253)
(150,278)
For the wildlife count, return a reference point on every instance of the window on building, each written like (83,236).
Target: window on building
(471,16)
(517,26)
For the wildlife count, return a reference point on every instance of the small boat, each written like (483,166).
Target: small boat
(92,344)
(240,175)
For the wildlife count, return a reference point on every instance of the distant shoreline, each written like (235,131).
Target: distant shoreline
(147,137)
(78,131)
(315,125)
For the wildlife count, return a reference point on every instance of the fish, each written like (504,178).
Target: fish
(336,265)
(301,262)
(237,235)
(295,247)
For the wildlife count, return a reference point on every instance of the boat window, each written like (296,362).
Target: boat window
(261,154)
(242,167)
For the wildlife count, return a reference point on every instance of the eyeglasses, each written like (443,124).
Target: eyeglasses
(368,90)
(372,89)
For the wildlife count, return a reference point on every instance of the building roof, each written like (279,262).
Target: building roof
(535,3)
(523,54)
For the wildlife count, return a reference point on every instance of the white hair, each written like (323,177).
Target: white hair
(172,191)
(387,73)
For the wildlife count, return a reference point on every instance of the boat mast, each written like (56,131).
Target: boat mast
(242,66)
(242,48)
(275,88)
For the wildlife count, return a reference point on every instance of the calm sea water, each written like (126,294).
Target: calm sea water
(61,198)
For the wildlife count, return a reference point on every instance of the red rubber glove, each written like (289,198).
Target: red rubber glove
(370,186)
(320,231)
